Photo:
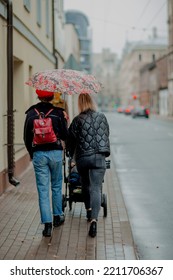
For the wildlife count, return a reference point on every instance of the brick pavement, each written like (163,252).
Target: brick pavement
(21,231)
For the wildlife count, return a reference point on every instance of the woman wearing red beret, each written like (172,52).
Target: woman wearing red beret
(47,160)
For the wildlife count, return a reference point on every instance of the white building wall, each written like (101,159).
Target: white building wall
(170,96)
(163,102)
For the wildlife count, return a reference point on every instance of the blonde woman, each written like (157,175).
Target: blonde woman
(88,143)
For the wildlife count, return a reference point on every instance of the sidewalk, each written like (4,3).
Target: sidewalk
(163,118)
(21,231)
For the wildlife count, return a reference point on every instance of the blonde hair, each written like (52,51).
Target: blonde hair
(85,102)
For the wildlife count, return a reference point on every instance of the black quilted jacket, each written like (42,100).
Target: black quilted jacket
(88,134)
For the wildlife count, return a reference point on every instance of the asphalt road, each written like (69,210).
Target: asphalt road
(143,154)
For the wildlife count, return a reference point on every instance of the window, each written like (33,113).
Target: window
(140,57)
(39,12)
(27,5)
(154,57)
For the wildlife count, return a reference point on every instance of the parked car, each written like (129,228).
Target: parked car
(120,109)
(140,112)
(128,110)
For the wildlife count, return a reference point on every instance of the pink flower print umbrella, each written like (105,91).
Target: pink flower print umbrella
(66,81)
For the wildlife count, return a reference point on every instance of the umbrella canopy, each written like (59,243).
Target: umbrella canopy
(66,81)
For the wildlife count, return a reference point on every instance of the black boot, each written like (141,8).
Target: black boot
(58,220)
(93,229)
(88,215)
(47,229)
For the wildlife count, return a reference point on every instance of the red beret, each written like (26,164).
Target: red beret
(44,93)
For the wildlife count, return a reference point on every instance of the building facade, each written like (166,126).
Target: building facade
(82,26)
(72,57)
(28,45)
(59,38)
(153,86)
(135,56)
(161,101)
(105,68)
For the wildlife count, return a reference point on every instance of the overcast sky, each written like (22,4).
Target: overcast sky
(115,21)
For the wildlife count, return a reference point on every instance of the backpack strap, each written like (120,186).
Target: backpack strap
(40,115)
(49,112)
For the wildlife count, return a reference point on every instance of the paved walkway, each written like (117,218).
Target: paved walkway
(21,231)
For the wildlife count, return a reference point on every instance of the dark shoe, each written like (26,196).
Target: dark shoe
(47,229)
(88,215)
(93,229)
(58,220)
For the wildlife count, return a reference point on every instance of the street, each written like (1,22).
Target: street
(142,150)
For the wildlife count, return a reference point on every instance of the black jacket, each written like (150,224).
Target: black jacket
(88,134)
(58,122)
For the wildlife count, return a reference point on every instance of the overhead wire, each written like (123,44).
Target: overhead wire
(153,18)
(143,12)
(135,27)
(156,15)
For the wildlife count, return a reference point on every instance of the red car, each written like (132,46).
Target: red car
(128,110)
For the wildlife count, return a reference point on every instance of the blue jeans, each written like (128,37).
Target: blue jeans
(48,170)
(92,170)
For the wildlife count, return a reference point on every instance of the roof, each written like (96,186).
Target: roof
(150,43)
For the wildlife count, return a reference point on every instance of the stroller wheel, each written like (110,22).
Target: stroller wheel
(64,202)
(104,204)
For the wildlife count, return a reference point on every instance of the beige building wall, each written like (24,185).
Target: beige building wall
(32,51)
(72,46)
(29,18)
(3,103)
(59,21)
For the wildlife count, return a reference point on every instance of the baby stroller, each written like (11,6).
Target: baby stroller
(74,189)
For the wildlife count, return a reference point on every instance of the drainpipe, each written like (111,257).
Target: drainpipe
(10,111)
(53,31)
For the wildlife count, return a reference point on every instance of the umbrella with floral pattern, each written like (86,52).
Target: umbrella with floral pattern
(66,81)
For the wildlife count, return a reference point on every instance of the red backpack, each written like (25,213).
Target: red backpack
(43,129)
